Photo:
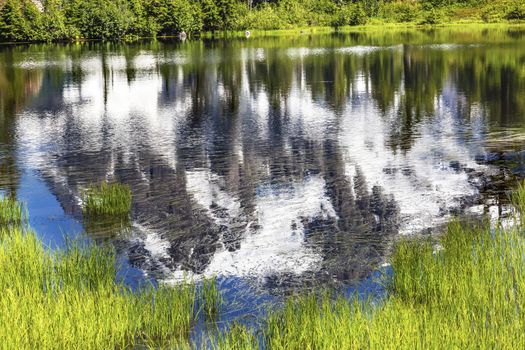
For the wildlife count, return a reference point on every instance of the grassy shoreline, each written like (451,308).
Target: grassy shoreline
(388,27)
(377,27)
(71,299)
(469,292)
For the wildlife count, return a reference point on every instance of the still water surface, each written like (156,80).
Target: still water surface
(275,163)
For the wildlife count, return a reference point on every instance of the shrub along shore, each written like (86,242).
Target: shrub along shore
(467,292)
(57,20)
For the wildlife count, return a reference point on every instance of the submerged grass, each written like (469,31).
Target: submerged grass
(468,294)
(107,200)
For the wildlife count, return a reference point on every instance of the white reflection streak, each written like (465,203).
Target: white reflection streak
(432,187)
(277,247)
(106,122)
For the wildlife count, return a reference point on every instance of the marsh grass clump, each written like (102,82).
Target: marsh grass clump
(12,212)
(107,200)
(210,299)
(166,314)
(70,299)
(237,337)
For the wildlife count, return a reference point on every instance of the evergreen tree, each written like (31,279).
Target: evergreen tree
(33,20)
(210,15)
(53,21)
(230,13)
(175,16)
(13,26)
(103,19)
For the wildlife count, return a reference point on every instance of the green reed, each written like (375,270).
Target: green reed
(468,294)
(108,200)
(70,299)
(518,201)
(210,299)
(237,337)
(11,212)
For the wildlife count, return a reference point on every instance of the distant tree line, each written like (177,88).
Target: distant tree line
(53,20)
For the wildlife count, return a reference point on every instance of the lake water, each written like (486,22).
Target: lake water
(276,163)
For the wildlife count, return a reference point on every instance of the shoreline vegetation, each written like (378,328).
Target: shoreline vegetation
(129,20)
(468,291)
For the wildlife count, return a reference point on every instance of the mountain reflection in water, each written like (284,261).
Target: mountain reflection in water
(286,160)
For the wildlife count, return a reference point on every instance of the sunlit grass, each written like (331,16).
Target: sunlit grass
(70,299)
(108,200)
(468,294)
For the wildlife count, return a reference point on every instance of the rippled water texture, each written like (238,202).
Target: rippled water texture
(282,161)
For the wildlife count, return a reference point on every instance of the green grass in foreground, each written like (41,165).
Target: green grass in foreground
(470,294)
(70,300)
(107,200)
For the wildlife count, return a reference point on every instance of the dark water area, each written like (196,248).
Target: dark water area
(277,163)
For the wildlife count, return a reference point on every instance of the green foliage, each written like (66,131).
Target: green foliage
(142,24)
(21,20)
(294,13)
(13,24)
(231,13)
(370,7)
(103,19)
(400,12)
(350,14)
(210,15)
(432,16)
(107,200)
(497,11)
(516,11)
(177,16)
(53,22)
(33,18)
(319,12)
(267,17)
